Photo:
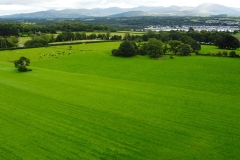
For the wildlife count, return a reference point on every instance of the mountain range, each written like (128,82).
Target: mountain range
(206,9)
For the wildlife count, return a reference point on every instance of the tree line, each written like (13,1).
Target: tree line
(175,42)
(21,29)
(153,48)
(223,40)
(69,36)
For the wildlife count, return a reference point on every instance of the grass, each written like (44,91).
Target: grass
(77,41)
(91,105)
(236,35)
(205,49)
(22,40)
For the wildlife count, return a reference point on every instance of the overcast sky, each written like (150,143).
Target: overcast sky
(24,6)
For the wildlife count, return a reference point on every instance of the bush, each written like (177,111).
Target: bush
(225,53)
(115,52)
(211,53)
(219,54)
(141,51)
(232,54)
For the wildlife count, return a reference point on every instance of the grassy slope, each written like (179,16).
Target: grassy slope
(90,105)
(22,40)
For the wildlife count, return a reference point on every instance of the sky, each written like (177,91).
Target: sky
(8,7)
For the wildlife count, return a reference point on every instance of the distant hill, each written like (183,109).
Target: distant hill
(214,9)
(205,9)
(131,14)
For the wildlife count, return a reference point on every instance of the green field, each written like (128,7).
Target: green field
(22,40)
(236,35)
(205,49)
(91,105)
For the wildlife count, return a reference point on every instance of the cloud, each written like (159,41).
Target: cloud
(17,2)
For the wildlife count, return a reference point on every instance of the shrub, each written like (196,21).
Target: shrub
(115,52)
(211,53)
(141,50)
(225,53)
(219,54)
(232,54)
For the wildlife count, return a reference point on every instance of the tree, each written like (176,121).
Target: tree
(127,36)
(78,36)
(165,48)
(59,38)
(36,42)
(22,63)
(92,36)
(8,42)
(174,46)
(232,54)
(154,48)
(108,34)
(163,36)
(185,49)
(227,41)
(65,36)
(190,29)
(126,49)
(193,43)
(116,37)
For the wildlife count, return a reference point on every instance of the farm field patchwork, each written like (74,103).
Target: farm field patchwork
(91,105)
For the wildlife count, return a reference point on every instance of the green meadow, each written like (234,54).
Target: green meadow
(22,40)
(87,104)
(236,35)
(205,49)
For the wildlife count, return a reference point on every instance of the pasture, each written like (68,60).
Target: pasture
(91,105)
(205,49)
(236,35)
(22,40)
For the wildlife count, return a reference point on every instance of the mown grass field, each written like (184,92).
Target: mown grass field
(236,35)
(91,105)
(205,49)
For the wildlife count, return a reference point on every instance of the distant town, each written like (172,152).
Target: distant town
(224,26)
(196,28)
